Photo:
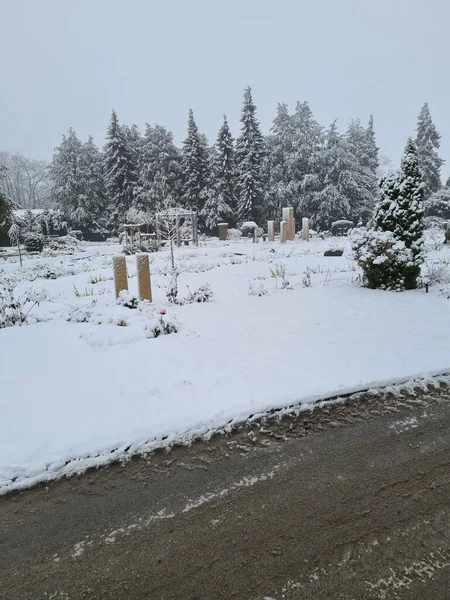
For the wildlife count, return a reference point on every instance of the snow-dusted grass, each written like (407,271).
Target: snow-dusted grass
(80,390)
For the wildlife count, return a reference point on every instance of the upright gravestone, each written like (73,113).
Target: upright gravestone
(283,231)
(305,229)
(270,231)
(120,274)
(223,230)
(143,277)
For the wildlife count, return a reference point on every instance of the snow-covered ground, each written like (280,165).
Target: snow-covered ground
(78,394)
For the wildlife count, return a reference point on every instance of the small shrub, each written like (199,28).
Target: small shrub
(34,242)
(203,294)
(258,288)
(306,279)
(15,308)
(128,300)
(386,262)
(160,326)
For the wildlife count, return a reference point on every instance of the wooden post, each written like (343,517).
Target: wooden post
(143,277)
(305,229)
(270,231)
(223,231)
(120,274)
(283,231)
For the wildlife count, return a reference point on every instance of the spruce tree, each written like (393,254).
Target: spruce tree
(134,147)
(280,156)
(309,144)
(221,203)
(89,215)
(342,187)
(249,158)
(372,160)
(195,169)
(428,143)
(118,177)
(400,210)
(160,161)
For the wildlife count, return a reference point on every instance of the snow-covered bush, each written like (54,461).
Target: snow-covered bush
(15,308)
(66,244)
(203,294)
(438,205)
(435,273)
(234,234)
(128,300)
(34,242)
(160,326)
(258,288)
(384,259)
(248,228)
(306,279)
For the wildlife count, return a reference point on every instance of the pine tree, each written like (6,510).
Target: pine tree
(118,177)
(195,169)
(65,175)
(400,209)
(249,157)
(428,143)
(221,203)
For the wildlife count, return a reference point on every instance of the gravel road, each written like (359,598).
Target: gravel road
(350,501)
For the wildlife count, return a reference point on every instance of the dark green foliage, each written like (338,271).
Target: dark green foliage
(34,242)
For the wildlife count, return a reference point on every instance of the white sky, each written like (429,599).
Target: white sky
(69,62)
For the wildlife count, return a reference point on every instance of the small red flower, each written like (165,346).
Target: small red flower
(162,313)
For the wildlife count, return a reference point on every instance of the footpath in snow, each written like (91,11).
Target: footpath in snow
(73,392)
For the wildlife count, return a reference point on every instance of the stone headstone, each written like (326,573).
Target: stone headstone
(305,229)
(270,231)
(283,231)
(223,231)
(120,274)
(143,277)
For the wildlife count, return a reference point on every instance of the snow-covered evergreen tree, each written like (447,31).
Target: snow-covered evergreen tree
(118,176)
(89,215)
(160,162)
(428,143)
(195,169)
(134,147)
(5,211)
(372,159)
(280,157)
(221,203)
(438,204)
(363,146)
(66,175)
(342,188)
(249,158)
(305,166)
(400,210)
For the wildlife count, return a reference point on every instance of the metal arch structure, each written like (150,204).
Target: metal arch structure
(176,225)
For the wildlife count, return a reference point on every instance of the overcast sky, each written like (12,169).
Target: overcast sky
(69,62)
